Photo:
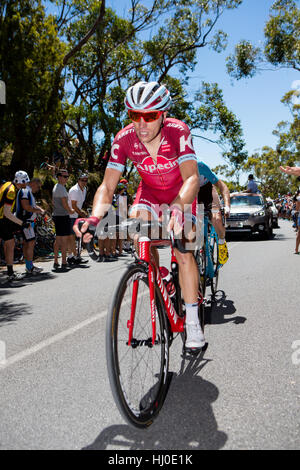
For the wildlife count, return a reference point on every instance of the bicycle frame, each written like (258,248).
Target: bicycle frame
(209,236)
(176,322)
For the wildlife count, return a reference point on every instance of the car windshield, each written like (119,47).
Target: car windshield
(246,201)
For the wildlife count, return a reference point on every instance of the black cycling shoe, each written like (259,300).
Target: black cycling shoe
(71,261)
(64,268)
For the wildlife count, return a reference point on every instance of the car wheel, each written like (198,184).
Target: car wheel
(268,232)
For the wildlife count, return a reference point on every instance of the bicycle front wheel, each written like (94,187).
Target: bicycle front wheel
(138,372)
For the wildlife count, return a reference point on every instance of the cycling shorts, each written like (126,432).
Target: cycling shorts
(208,196)
(8,229)
(157,202)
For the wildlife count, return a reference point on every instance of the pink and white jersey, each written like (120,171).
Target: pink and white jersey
(175,148)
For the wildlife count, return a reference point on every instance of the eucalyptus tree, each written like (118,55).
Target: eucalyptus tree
(281,47)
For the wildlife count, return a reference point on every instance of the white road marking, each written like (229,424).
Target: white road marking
(4,363)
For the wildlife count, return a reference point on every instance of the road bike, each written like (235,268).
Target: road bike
(45,235)
(207,256)
(141,324)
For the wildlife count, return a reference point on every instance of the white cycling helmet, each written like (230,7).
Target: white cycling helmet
(21,177)
(148,96)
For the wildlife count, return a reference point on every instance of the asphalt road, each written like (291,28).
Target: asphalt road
(242,393)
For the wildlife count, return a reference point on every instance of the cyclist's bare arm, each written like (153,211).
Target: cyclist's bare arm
(225,194)
(105,193)
(102,200)
(25,204)
(189,189)
(191,184)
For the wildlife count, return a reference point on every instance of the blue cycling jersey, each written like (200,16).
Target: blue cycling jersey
(206,175)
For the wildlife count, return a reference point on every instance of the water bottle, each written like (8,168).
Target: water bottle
(168,280)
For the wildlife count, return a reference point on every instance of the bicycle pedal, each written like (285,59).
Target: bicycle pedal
(194,351)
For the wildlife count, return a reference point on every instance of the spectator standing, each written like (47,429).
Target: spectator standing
(61,218)
(26,210)
(76,198)
(298,224)
(9,223)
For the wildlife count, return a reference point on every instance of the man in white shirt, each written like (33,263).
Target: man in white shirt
(76,198)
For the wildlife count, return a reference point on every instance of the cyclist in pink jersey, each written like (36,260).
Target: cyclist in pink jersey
(162,151)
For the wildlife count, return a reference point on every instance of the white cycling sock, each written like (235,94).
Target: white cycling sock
(221,241)
(192,313)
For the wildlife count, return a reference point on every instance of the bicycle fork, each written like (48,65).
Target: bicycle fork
(176,322)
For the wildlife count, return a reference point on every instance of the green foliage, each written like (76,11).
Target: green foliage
(265,167)
(243,62)
(213,115)
(30,52)
(281,49)
(282,34)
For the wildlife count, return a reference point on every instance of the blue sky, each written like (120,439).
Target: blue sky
(256,101)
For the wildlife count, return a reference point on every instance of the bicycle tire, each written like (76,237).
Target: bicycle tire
(200,257)
(215,259)
(140,406)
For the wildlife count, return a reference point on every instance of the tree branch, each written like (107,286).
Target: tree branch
(85,39)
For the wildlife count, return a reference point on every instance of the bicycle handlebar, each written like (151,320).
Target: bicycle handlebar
(140,227)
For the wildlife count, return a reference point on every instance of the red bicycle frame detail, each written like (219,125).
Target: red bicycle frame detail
(176,322)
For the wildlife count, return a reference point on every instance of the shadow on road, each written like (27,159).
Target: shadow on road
(186,421)
(218,308)
(243,237)
(10,311)
(4,284)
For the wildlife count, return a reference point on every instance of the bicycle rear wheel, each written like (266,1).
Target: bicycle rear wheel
(138,373)
(215,259)
(200,257)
